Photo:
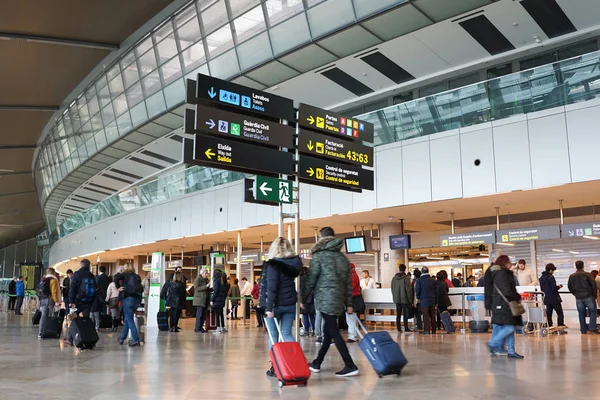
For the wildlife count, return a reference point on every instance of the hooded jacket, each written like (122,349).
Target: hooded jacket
(280,285)
(174,294)
(200,291)
(402,290)
(504,280)
(54,288)
(550,288)
(78,277)
(220,290)
(329,277)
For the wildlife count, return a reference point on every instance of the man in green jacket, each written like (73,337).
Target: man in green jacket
(329,279)
(403,295)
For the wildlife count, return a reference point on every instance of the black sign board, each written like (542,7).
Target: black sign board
(334,148)
(319,171)
(399,242)
(334,124)
(243,98)
(239,126)
(237,156)
(527,234)
(249,196)
(580,230)
(468,239)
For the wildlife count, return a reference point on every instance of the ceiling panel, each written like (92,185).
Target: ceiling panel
(308,58)
(171,121)
(16,184)
(16,159)
(272,73)
(243,80)
(313,89)
(515,23)
(155,130)
(349,41)
(398,22)
(583,13)
(441,10)
(415,58)
(22,127)
(365,73)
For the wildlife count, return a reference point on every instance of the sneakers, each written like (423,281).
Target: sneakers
(515,356)
(314,367)
(218,330)
(319,340)
(346,372)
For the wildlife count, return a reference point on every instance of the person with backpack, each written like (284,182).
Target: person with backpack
(130,285)
(82,292)
(49,294)
(174,294)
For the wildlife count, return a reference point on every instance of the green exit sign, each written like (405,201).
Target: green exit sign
(272,189)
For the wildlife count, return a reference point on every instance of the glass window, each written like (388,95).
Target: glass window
(224,66)
(171,71)
(114,71)
(219,41)
(189,34)
(185,15)
(239,6)
(130,74)
(463,80)
(128,59)
(156,104)
(167,49)
(139,114)
(290,34)
(134,94)
(163,31)
(96,122)
(366,8)
(86,132)
(144,46)
(101,82)
(120,104)
(279,10)
(330,16)
(249,24)
(175,93)
(104,96)
(151,84)
(193,56)
(112,133)
(214,16)
(108,114)
(100,139)
(116,86)
(84,113)
(148,63)
(124,124)
(254,51)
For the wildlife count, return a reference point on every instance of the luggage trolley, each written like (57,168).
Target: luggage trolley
(535,313)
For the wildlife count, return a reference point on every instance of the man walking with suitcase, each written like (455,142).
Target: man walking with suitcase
(329,279)
(82,292)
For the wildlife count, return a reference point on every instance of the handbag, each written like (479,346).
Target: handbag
(516,308)
(113,302)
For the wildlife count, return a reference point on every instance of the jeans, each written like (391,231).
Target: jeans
(19,304)
(352,326)
(234,310)
(200,317)
(503,334)
(440,310)
(95,315)
(400,310)
(130,304)
(590,305)
(174,314)
(559,312)
(219,317)
(319,324)
(429,318)
(47,308)
(331,332)
(285,316)
(309,322)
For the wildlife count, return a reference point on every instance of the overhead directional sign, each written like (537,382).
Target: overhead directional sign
(316,170)
(244,98)
(274,190)
(468,239)
(581,229)
(334,148)
(239,126)
(527,234)
(238,156)
(334,124)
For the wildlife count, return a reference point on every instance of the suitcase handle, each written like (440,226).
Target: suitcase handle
(279,335)
(360,326)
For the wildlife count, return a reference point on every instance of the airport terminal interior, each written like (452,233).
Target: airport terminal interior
(176,173)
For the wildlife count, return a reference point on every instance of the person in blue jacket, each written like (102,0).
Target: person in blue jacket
(426,293)
(20,292)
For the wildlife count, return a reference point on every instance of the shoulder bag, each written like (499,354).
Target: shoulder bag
(516,308)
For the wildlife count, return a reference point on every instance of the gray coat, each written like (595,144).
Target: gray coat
(200,291)
(329,277)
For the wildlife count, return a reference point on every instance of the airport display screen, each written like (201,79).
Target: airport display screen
(400,242)
(356,244)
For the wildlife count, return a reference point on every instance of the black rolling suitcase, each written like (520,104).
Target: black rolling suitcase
(447,322)
(35,320)
(162,321)
(106,321)
(83,331)
(52,328)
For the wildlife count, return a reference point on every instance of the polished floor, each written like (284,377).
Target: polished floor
(232,366)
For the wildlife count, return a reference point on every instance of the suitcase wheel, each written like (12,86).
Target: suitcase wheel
(280,384)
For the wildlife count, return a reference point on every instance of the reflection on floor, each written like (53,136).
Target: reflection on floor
(187,365)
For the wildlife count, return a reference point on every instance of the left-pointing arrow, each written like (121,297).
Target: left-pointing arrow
(209,154)
(210,123)
(264,188)
(212,93)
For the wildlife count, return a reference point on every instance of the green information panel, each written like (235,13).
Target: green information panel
(272,189)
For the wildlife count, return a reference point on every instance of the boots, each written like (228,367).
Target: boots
(115,324)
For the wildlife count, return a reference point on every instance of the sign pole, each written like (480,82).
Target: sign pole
(297,237)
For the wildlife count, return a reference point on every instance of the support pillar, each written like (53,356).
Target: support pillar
(389,267)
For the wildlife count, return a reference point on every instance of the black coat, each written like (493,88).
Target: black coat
(426,291)
(550,288)
(281,288)
(174,294)
(12,287)
(219,294)
(103,281)
(442,294)
(309,303)
(504,279)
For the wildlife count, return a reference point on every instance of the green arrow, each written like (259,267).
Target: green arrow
(310,120)
(310,171)
(209,154)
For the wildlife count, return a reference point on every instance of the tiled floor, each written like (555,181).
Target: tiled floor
(232,366)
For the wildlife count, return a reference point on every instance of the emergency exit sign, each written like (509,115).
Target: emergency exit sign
(273,190)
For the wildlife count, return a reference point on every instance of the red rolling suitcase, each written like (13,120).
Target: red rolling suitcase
(289,362)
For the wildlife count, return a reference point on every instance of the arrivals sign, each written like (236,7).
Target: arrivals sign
(334,148)
(244,98)
(239,126)
(527,234)
(273,190)
(334,124)
(239,156)
(580,230)
(467,239)
(328,173)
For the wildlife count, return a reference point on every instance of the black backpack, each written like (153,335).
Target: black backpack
(133,286)
(43,290)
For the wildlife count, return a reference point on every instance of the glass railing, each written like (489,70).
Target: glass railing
(548,86)
(553,85)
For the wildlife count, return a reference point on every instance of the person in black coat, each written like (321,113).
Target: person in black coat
(174,294)
(500,290)
(443,301)
(218,299)
(426,293)
(12,291)
(103,280)
(552,298)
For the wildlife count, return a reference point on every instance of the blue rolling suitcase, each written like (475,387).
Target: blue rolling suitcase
(382,351)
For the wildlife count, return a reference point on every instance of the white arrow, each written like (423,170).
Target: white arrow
(264,189)
(210,123)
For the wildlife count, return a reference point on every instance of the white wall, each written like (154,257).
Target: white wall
(551,147)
